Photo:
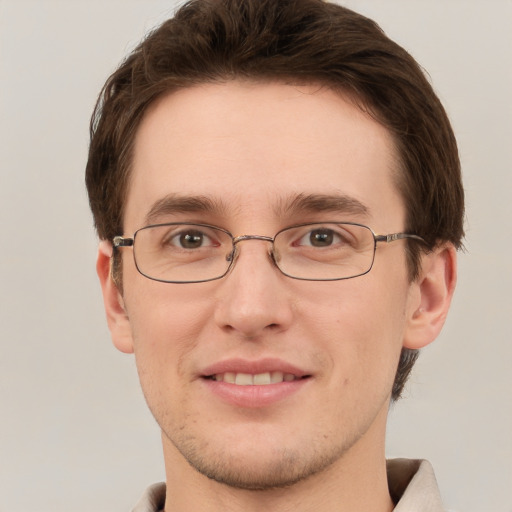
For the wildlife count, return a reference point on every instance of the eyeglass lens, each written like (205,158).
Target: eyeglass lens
(196,252)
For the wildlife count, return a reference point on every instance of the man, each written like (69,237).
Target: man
(277,192)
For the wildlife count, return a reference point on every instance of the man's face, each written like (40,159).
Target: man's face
(246,152)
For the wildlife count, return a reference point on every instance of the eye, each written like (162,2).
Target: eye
(320,237)
(191,239)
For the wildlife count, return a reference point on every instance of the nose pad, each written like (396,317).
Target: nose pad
(274,256)
(232,257)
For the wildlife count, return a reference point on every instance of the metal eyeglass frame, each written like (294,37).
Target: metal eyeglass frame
(121,241)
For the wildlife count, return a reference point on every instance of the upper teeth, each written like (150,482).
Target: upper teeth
(259,379)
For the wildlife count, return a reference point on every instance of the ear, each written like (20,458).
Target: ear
(431,296)
(117,317)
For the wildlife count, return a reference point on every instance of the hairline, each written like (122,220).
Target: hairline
(397,171)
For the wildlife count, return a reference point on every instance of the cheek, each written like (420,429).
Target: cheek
(166,329)
(364,307)
(358,328)
(166,321)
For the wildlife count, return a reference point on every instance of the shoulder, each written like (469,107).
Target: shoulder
(153,499)
(413,486)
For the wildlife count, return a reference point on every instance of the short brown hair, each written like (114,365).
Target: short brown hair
(294,41)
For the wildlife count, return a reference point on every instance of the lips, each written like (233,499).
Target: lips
(263,372)
(259,379)
(253,384)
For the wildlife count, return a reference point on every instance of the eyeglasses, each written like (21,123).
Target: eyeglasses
(195,253)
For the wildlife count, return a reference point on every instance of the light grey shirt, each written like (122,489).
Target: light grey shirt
(412,486)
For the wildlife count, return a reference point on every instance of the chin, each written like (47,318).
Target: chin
(256,469)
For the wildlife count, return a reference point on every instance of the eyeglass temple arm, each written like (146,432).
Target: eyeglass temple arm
(119,241)
(397,236)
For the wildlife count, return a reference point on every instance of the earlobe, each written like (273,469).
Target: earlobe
(434,290)
(117,317)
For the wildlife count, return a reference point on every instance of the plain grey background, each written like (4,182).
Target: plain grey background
(74,430)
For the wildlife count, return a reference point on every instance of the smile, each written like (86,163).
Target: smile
(259,379)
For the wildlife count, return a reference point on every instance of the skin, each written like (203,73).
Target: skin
(250,148)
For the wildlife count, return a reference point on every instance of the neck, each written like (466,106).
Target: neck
(356,482)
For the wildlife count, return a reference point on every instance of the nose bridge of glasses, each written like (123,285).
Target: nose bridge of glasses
(243,238)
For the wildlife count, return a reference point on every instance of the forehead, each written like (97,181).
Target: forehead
(253,148)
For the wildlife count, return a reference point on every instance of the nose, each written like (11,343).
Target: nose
(254,298)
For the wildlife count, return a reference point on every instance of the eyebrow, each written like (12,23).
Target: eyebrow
(317,203)
(174,204)
(292,206)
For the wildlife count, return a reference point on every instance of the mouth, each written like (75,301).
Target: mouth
(254,384)
(258,379)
